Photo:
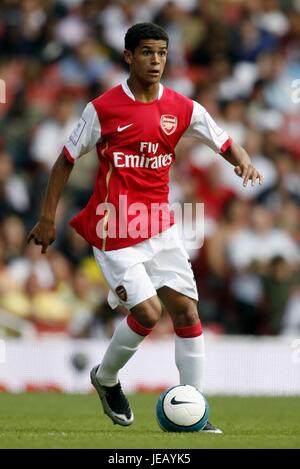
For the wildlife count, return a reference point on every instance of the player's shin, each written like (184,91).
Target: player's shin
(190,355)
(124,343)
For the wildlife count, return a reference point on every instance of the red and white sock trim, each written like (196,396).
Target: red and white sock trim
(189,331)
(137,327)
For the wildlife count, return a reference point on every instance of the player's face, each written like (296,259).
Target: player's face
(148,61)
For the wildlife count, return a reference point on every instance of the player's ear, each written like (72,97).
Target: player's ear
(128,56)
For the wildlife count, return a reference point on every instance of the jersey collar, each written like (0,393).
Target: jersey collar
(129,93)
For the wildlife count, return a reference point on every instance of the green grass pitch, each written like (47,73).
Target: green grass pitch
(77,421)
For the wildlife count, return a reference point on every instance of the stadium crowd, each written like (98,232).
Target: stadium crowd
(241,61)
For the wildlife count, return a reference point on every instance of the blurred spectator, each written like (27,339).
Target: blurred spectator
(13,232)
(117,17)
(16,126)
(271,19)
(212,272)
(6,279)
(84,300)
(278,90)
(21,268)
(14,197)
(52,134)
(279,282)
(248,41)
(49,311)
(89,65)
(261,241)
(74,247)
(250,253)
(287,186)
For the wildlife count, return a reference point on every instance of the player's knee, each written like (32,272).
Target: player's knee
(186,316)
(148,312)
(150,319)
(150,316)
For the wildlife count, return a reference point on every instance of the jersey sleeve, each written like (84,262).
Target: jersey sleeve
(203,127)
(85,135)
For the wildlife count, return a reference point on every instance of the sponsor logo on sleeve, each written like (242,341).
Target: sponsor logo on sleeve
(76,134)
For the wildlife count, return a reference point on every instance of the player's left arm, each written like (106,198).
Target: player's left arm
(203,127)
(243,167)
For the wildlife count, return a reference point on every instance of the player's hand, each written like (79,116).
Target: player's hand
(248,173)
(43,234)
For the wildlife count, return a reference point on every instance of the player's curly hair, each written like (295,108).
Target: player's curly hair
(141,31)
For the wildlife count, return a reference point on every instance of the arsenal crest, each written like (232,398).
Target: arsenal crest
(168,123)
(121,292)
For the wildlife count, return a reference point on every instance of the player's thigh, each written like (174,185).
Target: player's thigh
(171,273)
(171,267)
(129,285)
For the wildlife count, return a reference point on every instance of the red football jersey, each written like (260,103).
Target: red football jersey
(135,143)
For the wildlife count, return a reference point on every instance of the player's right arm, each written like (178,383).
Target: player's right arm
(81,141)
(43,233)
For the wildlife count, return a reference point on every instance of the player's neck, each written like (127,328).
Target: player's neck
(141,92)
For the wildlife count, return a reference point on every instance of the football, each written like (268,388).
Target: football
(182,409)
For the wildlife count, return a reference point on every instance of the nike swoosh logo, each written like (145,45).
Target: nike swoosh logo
(120,129)
(174,401)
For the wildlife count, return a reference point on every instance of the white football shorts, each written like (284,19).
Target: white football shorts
(135,273)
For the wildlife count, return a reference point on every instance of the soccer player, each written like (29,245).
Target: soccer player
(135,127)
